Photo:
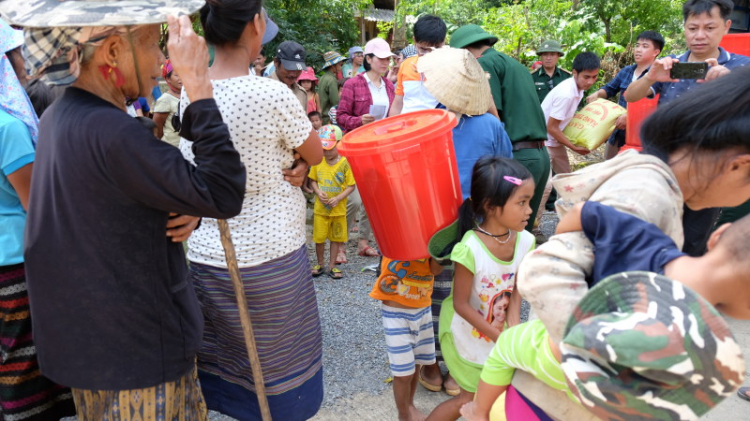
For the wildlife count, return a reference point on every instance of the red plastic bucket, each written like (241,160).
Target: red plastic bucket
(406,172)
(637,113)
(736,43)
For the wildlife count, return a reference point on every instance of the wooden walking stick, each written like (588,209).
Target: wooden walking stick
(247,327)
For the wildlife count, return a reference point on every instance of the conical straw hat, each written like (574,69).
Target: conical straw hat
(456,79)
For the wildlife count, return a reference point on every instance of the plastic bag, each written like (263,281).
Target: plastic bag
(591,126)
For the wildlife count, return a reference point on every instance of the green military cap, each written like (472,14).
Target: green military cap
(550,46)
(79,13)
(469,34)
(642,346)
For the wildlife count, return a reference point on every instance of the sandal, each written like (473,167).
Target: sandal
(427,385)
(369,252)
(316,271)
(744,393)
(336,273)
(451,392)
(341,258)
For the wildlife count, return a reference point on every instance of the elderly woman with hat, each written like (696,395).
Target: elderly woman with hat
(307,81)
(328,87)
(25,394)
(113,313)
(355,63)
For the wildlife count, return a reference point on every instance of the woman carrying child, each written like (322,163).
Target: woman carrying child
(492,244)
(696,153)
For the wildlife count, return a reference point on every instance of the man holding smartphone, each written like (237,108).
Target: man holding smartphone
(648,46)
(705,22)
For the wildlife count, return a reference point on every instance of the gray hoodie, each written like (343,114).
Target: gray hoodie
(553,277)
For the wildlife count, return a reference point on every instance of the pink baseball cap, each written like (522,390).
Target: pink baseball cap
(379,47)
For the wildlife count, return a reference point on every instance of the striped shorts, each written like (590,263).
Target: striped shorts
(408,338)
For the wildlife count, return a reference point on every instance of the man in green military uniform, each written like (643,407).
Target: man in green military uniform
(516,102)
(549,75)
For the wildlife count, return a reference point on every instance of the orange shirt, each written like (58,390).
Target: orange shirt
(408,283)
(410,86)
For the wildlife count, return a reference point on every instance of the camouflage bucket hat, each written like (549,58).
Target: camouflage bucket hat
(78,13)
(642,346)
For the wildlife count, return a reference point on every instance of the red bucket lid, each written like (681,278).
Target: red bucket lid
(392,131)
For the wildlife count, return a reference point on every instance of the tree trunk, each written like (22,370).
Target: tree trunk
(608,29)
(399,28)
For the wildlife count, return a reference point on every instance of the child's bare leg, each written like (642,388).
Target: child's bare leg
(320,250)
(404,388)
(334,253)
(450,409)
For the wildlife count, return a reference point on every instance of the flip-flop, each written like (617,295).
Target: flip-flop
(316,271)
(427,385)
(369,252)
(336,273)
(743,393)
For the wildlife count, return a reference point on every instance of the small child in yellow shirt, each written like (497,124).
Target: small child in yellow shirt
(332,181)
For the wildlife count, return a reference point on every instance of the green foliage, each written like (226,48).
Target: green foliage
(605,27)
(319,25)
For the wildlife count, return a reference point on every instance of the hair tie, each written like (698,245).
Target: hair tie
(514,180)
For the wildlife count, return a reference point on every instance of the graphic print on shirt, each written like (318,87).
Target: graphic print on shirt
(336,184)
(492,291)
(405,282)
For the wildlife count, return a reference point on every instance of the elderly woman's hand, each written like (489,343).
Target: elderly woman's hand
(189,57)
(179,227)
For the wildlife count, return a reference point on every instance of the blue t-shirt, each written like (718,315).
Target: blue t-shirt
(623,242)
(671,90)
(156,92)
(475,137)
(16,151)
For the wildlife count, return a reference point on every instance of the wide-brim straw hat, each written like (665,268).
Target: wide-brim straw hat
(456,79)
(78,13)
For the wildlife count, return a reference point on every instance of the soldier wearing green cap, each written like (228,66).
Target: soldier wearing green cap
(550,74)
(517,104)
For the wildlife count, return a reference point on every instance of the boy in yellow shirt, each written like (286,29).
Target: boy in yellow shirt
(332,181)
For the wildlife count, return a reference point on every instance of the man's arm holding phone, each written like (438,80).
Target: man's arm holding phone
(660,71)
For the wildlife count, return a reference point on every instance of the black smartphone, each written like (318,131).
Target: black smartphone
(690,70)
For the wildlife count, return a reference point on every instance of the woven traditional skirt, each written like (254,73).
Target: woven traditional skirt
(284,311)
(180,400)
(24,393)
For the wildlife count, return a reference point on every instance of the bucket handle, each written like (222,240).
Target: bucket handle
(395,127)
